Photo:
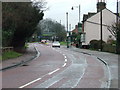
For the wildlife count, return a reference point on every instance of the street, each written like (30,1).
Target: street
(58,68)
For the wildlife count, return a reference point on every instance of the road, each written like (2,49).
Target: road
(58,68)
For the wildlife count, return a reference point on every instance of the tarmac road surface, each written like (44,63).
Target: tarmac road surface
(58,68)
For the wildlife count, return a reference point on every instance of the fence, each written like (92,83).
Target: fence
(6,49)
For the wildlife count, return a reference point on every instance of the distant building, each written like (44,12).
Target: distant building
(75,30)
(91,24)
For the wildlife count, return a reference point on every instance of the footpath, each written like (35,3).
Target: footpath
(29,55)
(111,60)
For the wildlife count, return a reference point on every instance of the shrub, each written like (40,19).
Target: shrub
(109,48)
(96,44)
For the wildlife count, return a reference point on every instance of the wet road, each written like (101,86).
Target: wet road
(58,68)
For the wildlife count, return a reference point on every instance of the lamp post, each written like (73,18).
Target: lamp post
(79,11)
(67,28)
(79,25)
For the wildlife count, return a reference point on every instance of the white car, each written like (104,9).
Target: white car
(56,44)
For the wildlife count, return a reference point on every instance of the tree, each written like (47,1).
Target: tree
(19,22)
(52,28)
(115,31)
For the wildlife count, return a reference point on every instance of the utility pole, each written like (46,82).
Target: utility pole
(67,28)
(117,31)
(101,47)
(79,13)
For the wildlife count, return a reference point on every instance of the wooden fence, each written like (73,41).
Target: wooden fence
(6,49)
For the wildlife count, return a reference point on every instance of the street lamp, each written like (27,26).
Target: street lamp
(79,25)
(79,11)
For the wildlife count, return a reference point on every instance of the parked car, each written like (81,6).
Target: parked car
(56,44)
(43,41)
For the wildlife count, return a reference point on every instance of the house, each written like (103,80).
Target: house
(91,24)
(75,30)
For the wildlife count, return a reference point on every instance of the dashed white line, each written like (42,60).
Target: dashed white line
(30,83)
(65,57)
(53,71)
(64,65)
(38,79)
(63,54)
(65,60)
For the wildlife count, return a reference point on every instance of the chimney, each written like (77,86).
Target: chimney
(101,5)
(76,26)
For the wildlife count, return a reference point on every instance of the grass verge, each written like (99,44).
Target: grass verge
(10,55)
(63,43)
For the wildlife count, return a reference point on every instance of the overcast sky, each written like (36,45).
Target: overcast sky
(58,8)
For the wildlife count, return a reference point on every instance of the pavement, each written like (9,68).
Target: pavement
(29,55)
(110,58)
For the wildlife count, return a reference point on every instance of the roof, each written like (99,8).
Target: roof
(90,14)
(86,16)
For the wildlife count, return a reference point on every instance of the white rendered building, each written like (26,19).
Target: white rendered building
(91,24)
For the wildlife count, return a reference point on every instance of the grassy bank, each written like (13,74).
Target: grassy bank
(10,54)
(63,43)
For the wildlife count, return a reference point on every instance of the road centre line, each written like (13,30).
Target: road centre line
(64,65)
(63,54)
(30,83)
(65,60)
(65,57)
(27,84)
(53,71)
(38,79)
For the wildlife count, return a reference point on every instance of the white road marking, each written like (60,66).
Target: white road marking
(82,74)
(64,65)
(60,52)
(63,54)
(53,83)
(80,78)
(65,60)
(30,83)
(38,79)
(53,71)
(65,57)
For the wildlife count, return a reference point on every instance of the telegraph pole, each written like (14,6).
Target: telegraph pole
(101,47)
(79,13)
(67,28)
(117,31)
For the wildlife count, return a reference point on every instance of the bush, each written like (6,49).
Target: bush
(96,44)
(109,48)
